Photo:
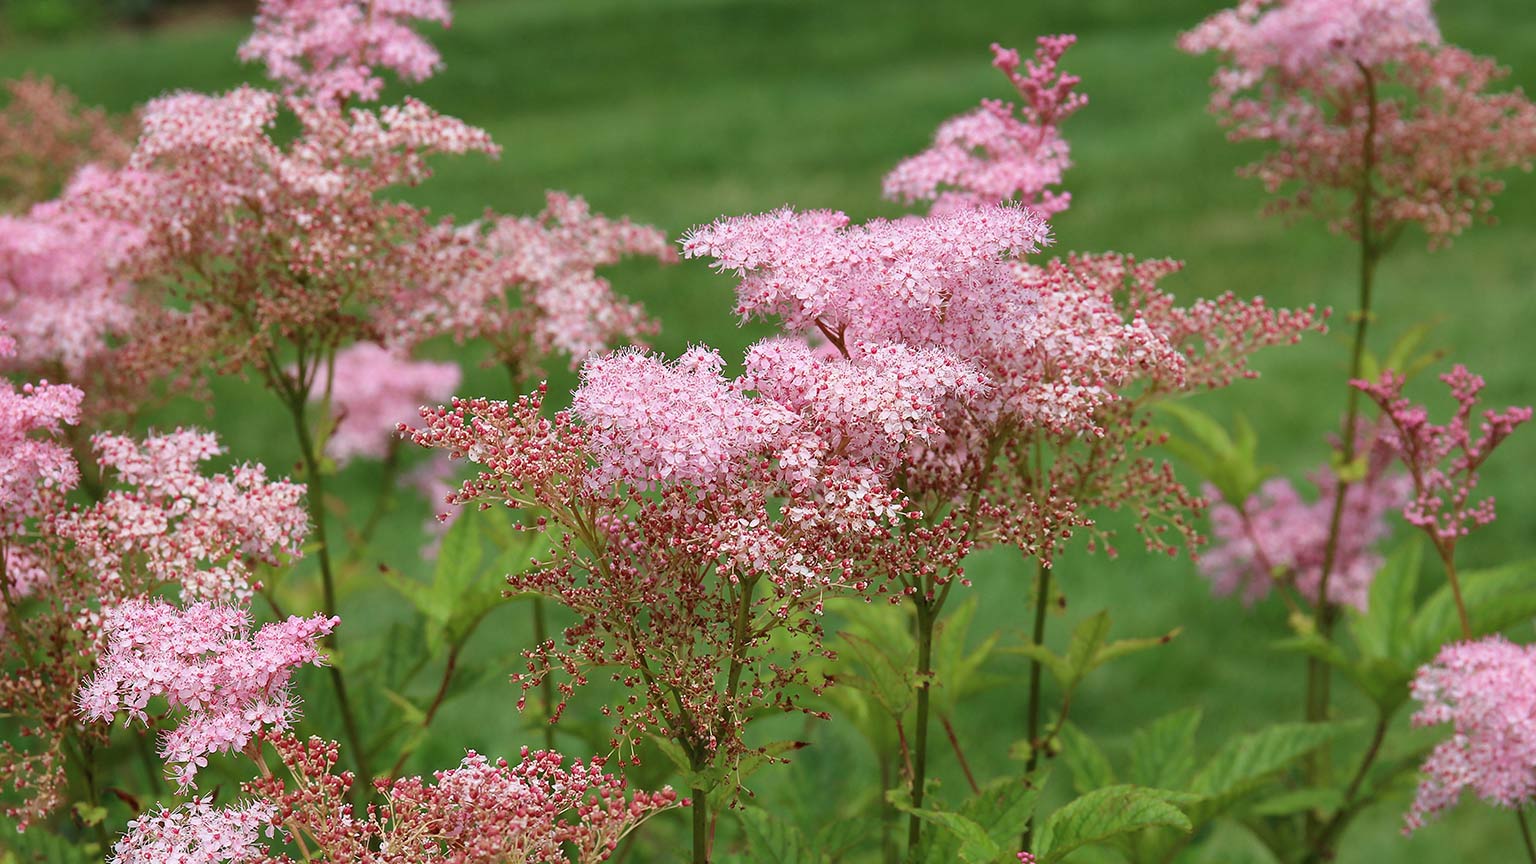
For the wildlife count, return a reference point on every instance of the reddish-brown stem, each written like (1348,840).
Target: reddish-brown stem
(954,742)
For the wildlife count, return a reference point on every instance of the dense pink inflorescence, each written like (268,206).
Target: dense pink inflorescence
(1444,459)
(1487,691)
(328,50)
(1362,98)
(172,525)
(371,392)
(197,832)
(45,137)
(990,155)
(34,469)
(205,659)
(1277,535)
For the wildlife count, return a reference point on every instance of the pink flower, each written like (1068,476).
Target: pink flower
(34,470)
(197,833)
(231,683)
(1352,89)
(1444,460)
(327,50)
(1278,535)
(372,392)
(1487,691)
(989,156)
(173,525)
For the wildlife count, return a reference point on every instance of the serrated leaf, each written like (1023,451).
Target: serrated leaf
(1295,801)
(893,687)
(1245,763)
(1057,665)
(674,753)
(1103,815)
(1163,753)
(1086,761)
(1125,647)
(1003,805)
(1495,598)
(1083,647)
(1383,629)
(972,843)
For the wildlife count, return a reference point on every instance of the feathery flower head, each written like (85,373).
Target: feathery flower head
(372,391)
(173,525)
(232,683)
(991,156)
(34,470)
(1352,90)
(1487,691)
(197,833)
(327,50)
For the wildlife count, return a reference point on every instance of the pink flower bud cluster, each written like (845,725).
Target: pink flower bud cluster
(529,287)
(1444,459)
(174,526)
(371,392)
(990,155)
(1278,536)
(45,137)
(1362,98)
(327,50)
(205,659)
(1486,690)
(197,832)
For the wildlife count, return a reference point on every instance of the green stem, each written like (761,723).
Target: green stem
(1032,718)
(1525,834)
(1319,685)
(315,475)
(925,622)
(700,826)
(1447,556)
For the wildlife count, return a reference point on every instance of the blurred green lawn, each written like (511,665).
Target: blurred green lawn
(678,111)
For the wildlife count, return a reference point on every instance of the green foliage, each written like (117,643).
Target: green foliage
(985,829)
(1106,814)
(1228,460)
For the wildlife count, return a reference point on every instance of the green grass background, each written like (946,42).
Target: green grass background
(677,111)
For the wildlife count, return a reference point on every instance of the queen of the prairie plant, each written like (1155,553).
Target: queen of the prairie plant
(1365,95)
(372,391)
(46,136)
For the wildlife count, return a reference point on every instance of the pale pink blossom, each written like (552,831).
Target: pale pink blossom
(989,155)
(328,50)
(1487,691)
(34,468)
(229,682)
(372,391)
(197,832)
(171,524)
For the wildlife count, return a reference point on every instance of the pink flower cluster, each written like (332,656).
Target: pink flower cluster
(990,156)
(327,50)
(371,392)
(46,137)
(204,658)
(1362,98)
(173,525)
(197,833)
(1276,535)
(1444,460)
(1487,691)
(530,287)
(34,470)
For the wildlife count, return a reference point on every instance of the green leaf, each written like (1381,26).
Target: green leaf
(974,845)
(1496,598)
(1124,647)
(772,840)
(1058,666)
(1103,815)
(1086,760)
(1163,754)
(674,753)
(893,686)
(1382,630)
(1003,806)
(1300,801)
(1245,763)
(724,781)
(1083,648)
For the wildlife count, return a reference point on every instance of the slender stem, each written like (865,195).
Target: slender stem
(700,826)
(1032,718)
(1525,834)
(547,686)
(315,476)
(1319,686)
(954,743)
(1447,556)
(925,623)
